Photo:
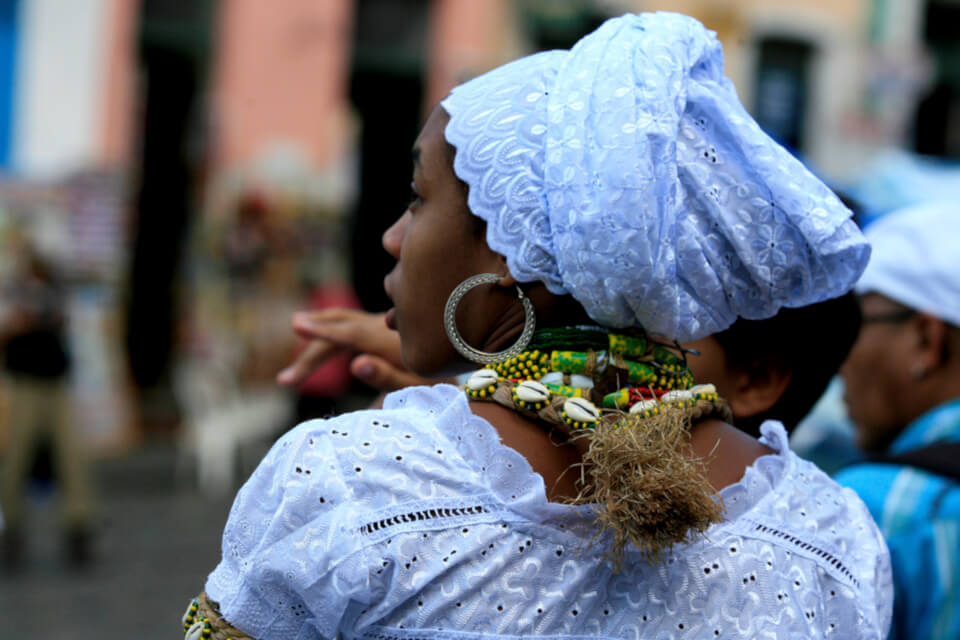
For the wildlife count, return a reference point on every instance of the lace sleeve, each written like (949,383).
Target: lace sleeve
(289,558)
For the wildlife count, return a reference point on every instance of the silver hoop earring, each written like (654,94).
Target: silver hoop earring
(475,355)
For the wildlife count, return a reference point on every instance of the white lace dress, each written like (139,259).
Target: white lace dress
(415,522)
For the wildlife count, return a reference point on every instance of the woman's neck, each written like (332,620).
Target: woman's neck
(726,451)
(550,454)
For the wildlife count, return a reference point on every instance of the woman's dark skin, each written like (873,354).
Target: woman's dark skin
(436,247)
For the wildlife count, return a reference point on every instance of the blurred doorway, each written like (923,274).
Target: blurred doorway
(386,89)
(174,47)
(783,80)
(936,129)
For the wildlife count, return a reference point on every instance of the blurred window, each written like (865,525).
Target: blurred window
(783,71)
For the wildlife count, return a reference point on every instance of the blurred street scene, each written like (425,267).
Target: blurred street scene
(192,171)
(154,542)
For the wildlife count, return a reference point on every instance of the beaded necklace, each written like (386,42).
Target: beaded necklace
(617,371)
(635,399)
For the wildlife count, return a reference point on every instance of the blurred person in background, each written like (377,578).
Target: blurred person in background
(37,365)
(825,435)
(247,244)
(902,383)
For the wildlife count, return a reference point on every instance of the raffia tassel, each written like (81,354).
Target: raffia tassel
(648,493)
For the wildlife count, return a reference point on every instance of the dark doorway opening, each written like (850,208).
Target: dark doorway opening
(780,104)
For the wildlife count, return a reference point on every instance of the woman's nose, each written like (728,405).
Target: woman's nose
(393,237)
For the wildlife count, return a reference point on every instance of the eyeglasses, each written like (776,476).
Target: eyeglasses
(890,317)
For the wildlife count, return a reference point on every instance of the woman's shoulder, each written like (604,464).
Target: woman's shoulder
(403,451)
(430,399)
(425,446)
(799,496)
(416,413)
(420,408)
(787,503)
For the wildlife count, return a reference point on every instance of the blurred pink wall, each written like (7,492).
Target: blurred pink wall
(467,37)
(280,76)
(120,84)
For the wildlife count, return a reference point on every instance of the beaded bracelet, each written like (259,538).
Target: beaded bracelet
(202,621)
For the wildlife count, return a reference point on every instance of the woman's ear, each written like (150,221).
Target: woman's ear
(758,388)
(930,348)
(506,280)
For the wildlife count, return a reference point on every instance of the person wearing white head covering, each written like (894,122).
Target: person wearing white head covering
(617,197)
(902,381)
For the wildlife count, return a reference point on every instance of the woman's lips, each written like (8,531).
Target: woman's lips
(391,317)
(386,285)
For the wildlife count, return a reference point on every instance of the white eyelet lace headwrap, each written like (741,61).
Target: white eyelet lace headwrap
(626,173)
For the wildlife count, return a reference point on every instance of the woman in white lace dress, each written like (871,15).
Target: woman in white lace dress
(580,485)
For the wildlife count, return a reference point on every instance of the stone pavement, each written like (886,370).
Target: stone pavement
(157,539)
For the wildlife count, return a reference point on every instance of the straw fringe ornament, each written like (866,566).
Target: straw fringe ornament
(636,471)
(646,491)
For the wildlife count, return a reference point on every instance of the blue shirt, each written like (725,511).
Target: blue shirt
(919,515)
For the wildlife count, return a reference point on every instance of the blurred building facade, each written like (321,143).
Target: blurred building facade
(823,74)
(67,97)
(141,127)
(835,81)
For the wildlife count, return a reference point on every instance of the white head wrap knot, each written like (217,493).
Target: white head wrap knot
(915,259)
(626,173)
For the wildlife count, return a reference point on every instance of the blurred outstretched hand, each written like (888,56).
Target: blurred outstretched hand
(333,331)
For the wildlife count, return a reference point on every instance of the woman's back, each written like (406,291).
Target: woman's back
(575,217)
(416,520)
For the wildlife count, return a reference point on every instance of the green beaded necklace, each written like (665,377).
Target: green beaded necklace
(616,370)
(647,492)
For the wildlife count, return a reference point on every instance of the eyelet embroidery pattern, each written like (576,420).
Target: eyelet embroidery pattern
(832,560)
(436,545)
(384,524)
(680,174)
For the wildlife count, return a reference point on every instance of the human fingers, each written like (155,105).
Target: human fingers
(315,354)
(382,374)
(351,329)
